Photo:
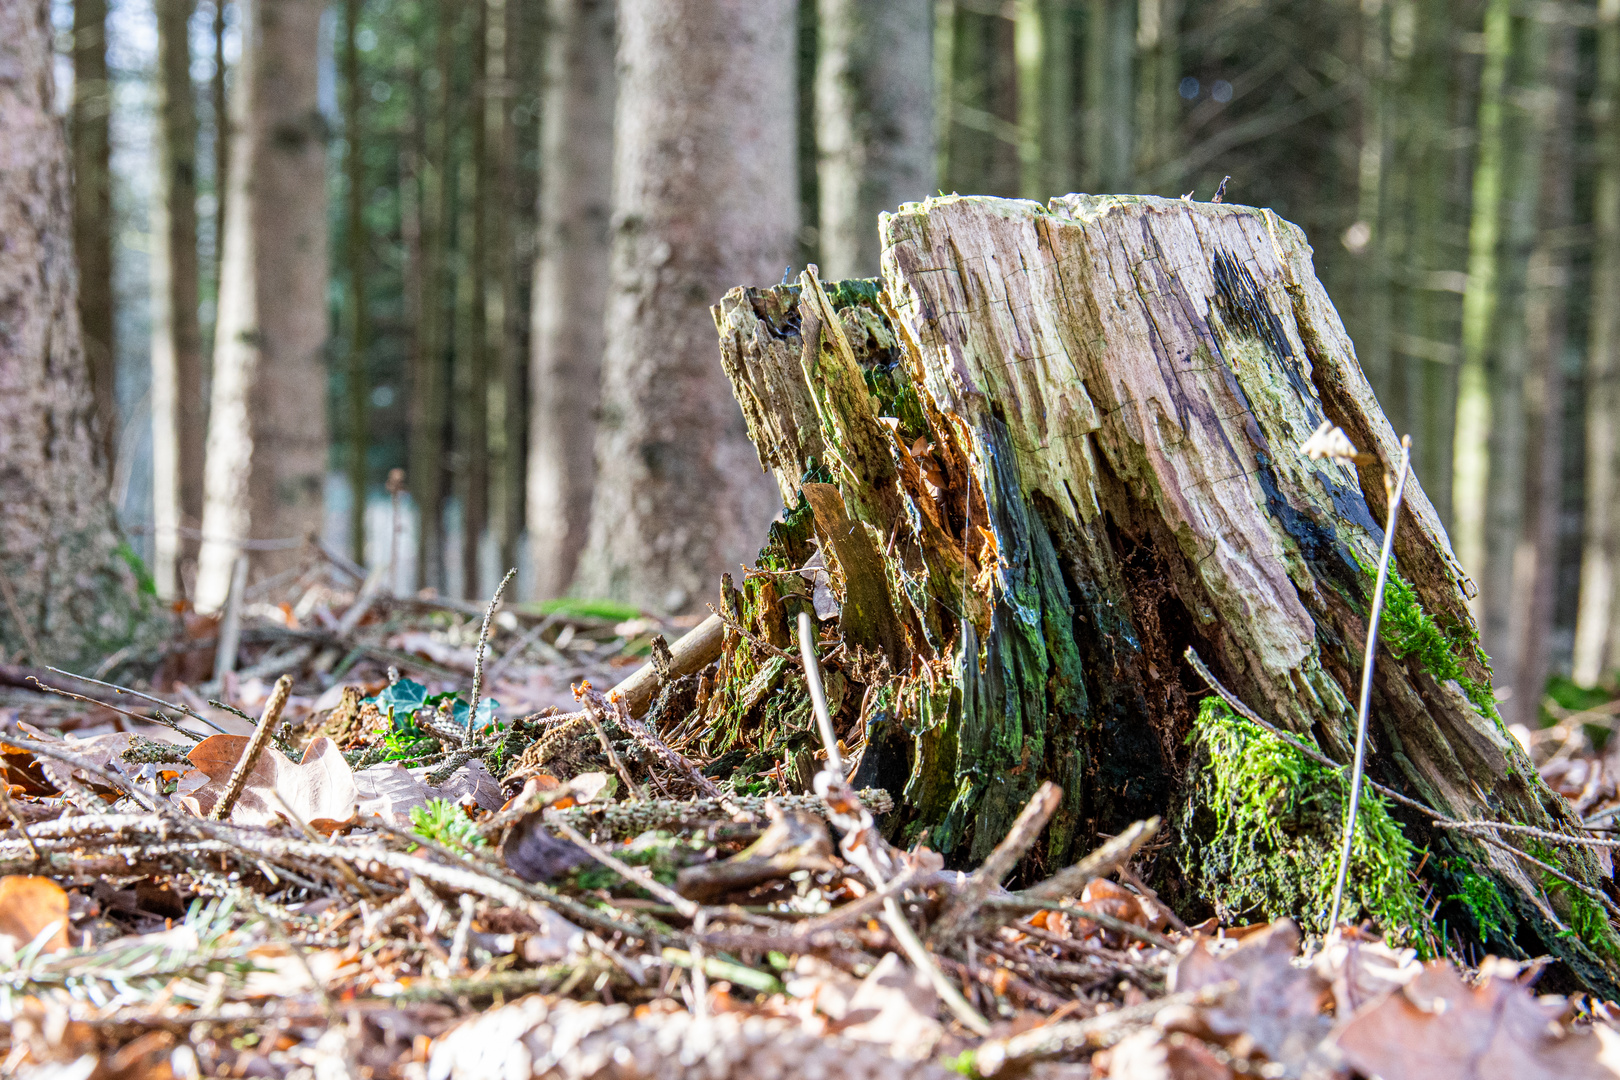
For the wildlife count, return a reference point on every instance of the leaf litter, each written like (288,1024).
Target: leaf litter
(406,886)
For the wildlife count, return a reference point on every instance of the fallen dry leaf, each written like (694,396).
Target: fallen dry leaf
(470,782)
(1277,1005)
(1437,1027)
(29,905)
(320,788)
(1150,1054)
(896,1007)
(389,791)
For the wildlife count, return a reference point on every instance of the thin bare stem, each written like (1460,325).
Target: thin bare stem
(182,709)
(818,698)
(483,644)
(1367,678)
(255,747)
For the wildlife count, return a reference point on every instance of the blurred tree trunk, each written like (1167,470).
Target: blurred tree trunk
(1375,241)
(981,98)
(357,385)
(1508,361)
(90,129)
(177,386)
(501,299)
(1109,95)
(1043,38)
(1470,455)
(267,445)
(472,344)
(429,382)
(1426,157)
(704,197)
(1597,635)
(222,137)
(1535,564)
(874,122)
(69,595)
(571,274)
(1158,95)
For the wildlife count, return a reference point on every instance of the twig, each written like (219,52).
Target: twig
(182,709)
(1367,678)
(591,709)
(112,778)
(256,744)
(629,873)
(16,819)
(71,696)
(458,943)
(230,623)
(1076,1035)
(960,908)
(483,644)
(1105,860)
(1023,902)
(818,698)
(858,841)
(754,639)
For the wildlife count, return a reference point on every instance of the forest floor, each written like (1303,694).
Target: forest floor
(346,862)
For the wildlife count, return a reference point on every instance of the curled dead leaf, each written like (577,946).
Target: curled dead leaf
(320,788)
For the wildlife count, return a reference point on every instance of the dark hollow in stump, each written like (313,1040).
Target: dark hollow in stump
(1049,450)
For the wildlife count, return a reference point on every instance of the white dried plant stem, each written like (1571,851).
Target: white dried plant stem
(1367,680)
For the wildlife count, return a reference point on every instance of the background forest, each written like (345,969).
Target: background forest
(433,278)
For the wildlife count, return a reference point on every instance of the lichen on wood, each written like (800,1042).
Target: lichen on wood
(1047,451)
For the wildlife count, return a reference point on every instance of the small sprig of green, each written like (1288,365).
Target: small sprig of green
(445,823)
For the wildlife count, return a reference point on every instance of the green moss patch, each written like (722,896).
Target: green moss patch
(1411,632)
(1263,829)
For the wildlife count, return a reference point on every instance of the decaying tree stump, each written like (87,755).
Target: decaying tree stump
(1047,452)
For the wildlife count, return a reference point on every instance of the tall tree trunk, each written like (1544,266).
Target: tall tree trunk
(1158,97)
(505,342)
(357,385)
(267,446)
(472,347)
(1376,242)
(90,127)
(1043,43)
(1508,361)
(1535,565)
(1109,97)
(1427,159)
(177,387)
(982,91)
(1597,624)
(69,595)
(1038,493)
(1470,456)
(571,274)
(704,196)
(429,381)
(222,141)
(874,122)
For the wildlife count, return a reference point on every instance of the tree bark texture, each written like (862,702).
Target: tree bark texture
(471,420)
(91,131)
(570,283)
(69,593)
(178,422)
(1047,452)
(874,122)
(266,456)
(705,195)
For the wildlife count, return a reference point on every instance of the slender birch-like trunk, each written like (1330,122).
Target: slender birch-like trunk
(1597,623)
(704,196)
(571,274)
(266,457)
(177,386)
(1470,454)
(90,129)
(874,122)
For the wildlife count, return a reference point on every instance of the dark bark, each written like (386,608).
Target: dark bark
(90,129)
